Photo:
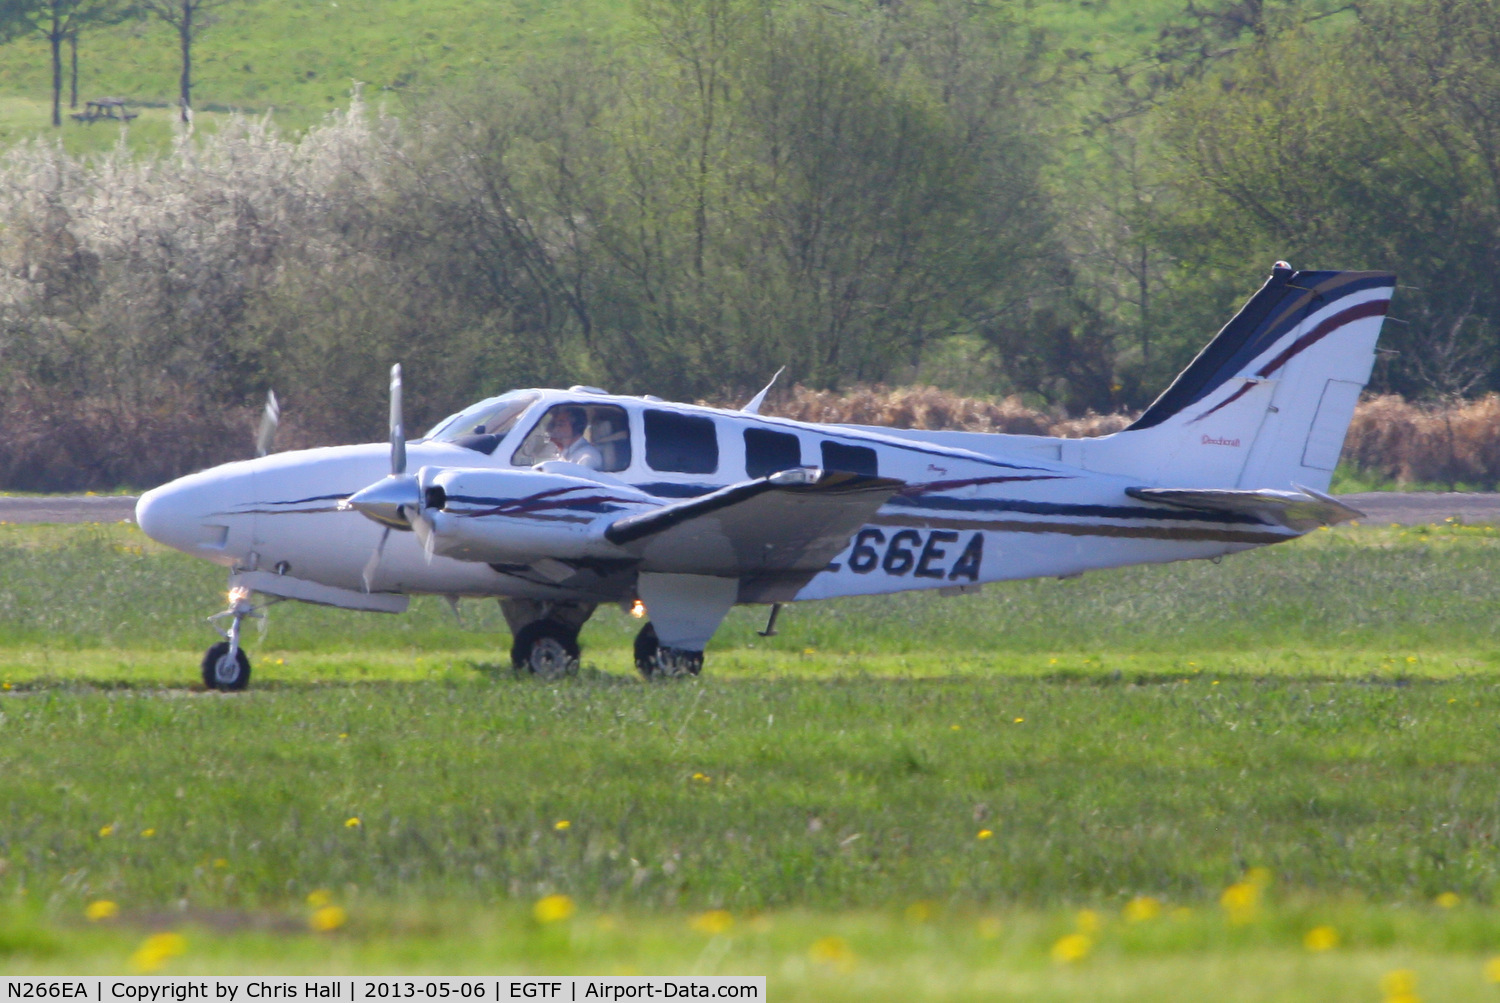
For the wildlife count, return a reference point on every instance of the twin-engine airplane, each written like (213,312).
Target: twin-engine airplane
(557,501)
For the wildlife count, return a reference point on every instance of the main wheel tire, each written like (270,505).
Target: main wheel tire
(654,661)
(646,646)
(220,672)
(545,648)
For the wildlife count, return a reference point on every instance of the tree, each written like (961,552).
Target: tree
(58,21)
(1376,146)
(188,18)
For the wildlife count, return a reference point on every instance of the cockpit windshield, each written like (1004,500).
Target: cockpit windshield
(482,426)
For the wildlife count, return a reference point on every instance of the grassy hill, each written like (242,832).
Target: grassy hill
(300,57)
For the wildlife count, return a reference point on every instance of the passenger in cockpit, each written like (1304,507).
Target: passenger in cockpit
(565,427)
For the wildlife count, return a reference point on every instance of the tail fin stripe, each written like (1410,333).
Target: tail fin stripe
(1242,391)
(1369,308)
(1269,316)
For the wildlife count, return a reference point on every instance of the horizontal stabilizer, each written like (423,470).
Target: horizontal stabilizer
(793,521)
(1301,510)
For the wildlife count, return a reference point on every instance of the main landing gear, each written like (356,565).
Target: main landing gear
(545,635)
(545,642)
(225,665)
(653,661)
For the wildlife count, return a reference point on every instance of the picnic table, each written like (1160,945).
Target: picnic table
(110,108)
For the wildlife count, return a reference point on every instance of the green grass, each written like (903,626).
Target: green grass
(300,58)
(1324,710)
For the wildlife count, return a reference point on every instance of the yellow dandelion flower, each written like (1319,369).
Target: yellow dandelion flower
(919,912)
(1321,938)
(1142,908)
(562,825)
(1087,921)
(1074,947)
(327,919)
(703,778)
(1240,901)
(319,897)
(1447,900)
(713,922)
(985,834)
(220,863)
(833,951)
(157,950)
(988,928)
(106,831)
(1492,969)
(1411,659)
(1400,984)
(1019,720)
(955,727)
(553,909)
(102,909)
(147,833)
(4,686)
(352,822)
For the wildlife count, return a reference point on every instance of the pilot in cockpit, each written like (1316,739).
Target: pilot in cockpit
(565,427)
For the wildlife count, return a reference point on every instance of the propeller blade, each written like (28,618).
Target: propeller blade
(398,431)
(424,532)
(373,564)
(268,422)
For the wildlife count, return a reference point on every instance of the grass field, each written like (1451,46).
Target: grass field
(1271,778)
(299,58)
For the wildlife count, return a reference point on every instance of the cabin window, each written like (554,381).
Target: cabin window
(596,436)
(767,452)
(681,443)
(851,459)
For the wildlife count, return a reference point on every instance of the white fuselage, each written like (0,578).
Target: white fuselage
(964,517)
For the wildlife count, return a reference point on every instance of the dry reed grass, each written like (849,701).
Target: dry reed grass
(1454,443)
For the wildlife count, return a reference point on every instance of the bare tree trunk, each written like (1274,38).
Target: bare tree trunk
(55,37)
(185,35)
(73,83)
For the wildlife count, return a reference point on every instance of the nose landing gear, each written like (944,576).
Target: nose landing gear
(225,665)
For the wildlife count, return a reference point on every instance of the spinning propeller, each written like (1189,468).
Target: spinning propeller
(266,436)
(394,501)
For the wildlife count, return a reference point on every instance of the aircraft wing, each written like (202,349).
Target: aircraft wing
(785,526)
(1300,510)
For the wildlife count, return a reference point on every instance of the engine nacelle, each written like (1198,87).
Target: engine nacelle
(519,516)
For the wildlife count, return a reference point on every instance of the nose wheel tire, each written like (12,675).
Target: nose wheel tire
(220,672)
(545,649)
(656,662)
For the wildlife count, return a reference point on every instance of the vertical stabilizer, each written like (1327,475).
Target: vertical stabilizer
(1268,402)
